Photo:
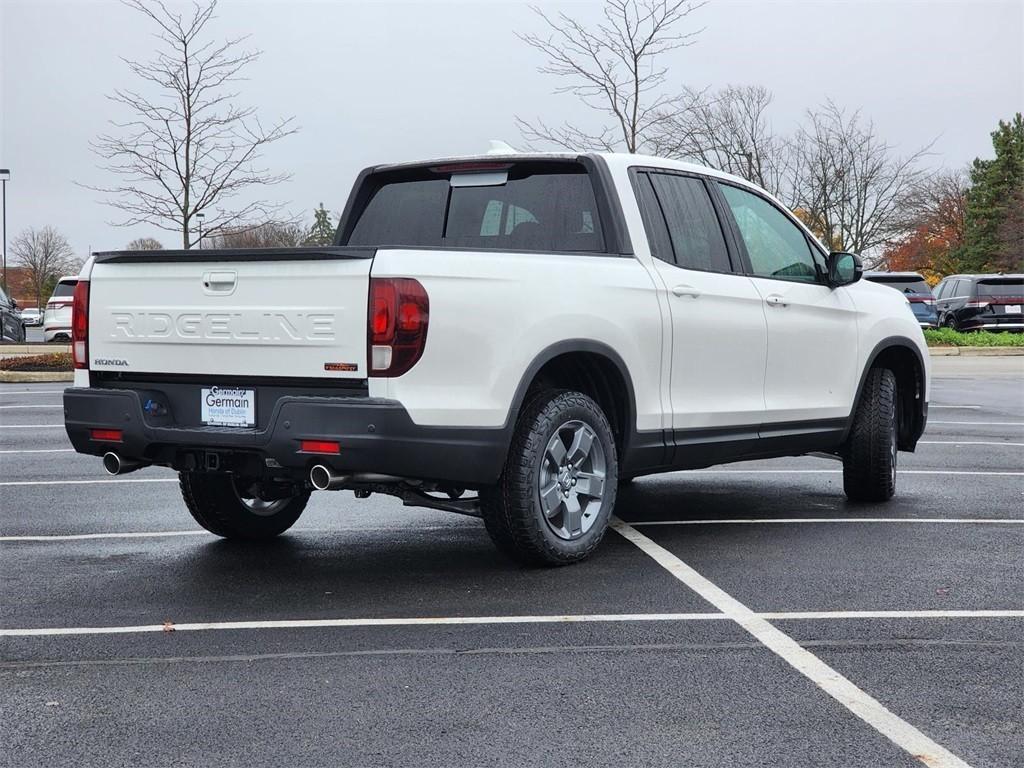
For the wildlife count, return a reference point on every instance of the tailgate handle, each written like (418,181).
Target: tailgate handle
(219,282)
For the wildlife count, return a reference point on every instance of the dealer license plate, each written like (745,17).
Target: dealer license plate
(228,407)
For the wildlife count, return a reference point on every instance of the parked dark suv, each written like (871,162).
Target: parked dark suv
(916,290)
(11,327)
(981,302)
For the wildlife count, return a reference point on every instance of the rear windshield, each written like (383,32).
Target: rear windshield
(537,207)
(909,284)
(64,289)
(1001,287)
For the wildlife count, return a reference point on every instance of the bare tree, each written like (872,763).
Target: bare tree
(728,130)
(271,234)
(849,184)
(46,255)
(938,202)
(614,68)
(145,244)
(186,146)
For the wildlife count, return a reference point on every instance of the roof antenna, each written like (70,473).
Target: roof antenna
(499,147)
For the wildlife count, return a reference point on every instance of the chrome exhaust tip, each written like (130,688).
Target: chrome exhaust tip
(115,465)
(324,479)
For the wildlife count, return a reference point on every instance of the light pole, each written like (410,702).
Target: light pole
(5,174)
(200,216)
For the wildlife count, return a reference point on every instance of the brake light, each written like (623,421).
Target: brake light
(976,304)
(320,446)
(108,435)
(399,312)
(80,325)
(470,166)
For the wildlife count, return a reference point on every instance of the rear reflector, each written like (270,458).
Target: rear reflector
(107,435)
(320,446)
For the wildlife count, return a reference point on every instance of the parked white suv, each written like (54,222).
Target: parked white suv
(503,336)
(57,315)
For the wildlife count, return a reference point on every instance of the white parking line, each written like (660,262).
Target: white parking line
(384,622)
(119,535)
(966,442)
(982,423)
(965,407)
(860,703)
(7,392)
(197,532)
(788,520)
(42,450)
(416,528)
(480,620)
(834,472)
(11,407)
(31,426)
(828,615)
(92,482)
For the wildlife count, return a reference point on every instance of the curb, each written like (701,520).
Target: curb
(27,377)
(975,351)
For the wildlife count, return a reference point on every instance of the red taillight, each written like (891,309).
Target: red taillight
(107,435)
(80,325)
(320,446)
(399,313)
(976,304)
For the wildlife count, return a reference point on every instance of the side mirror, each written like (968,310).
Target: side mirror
(843,269)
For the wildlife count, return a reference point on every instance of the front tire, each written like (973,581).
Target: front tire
(557,490)
(221,505)
(869,459)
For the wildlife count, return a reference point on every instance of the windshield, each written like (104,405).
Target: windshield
(537,207)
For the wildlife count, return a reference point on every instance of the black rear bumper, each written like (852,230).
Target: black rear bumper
(375,435)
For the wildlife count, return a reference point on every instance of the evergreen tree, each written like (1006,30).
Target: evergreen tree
(322,231)
(991,242)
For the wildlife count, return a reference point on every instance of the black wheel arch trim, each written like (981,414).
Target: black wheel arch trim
(920,416)
(570,346)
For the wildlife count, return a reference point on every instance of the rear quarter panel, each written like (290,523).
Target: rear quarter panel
(492,313)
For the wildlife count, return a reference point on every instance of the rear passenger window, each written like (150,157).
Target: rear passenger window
(693,229)
(539,207)
(654,221)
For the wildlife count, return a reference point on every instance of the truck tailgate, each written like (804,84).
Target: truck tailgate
(258,315)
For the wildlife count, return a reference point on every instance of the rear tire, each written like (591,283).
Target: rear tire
(869,458)
(556,493)
(217,505)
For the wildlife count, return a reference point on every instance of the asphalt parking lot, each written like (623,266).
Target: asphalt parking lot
(741,616)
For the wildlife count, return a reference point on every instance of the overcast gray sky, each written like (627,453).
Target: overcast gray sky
(381,81)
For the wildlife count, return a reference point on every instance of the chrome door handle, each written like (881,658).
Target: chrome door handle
(775,300)
(686,290)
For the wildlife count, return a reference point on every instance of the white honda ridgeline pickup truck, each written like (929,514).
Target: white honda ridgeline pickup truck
(504,336)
